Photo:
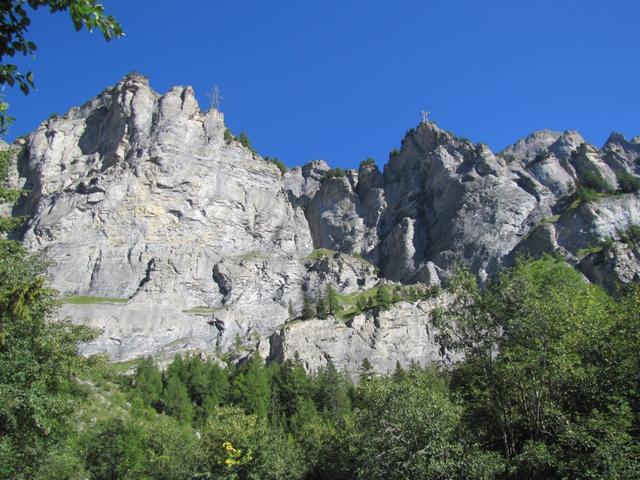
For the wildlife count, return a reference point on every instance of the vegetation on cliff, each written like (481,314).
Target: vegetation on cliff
(548,389)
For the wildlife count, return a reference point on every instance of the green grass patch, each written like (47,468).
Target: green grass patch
(589,250)
(251,255)
(318,253)
(349,302)
(574,204)
(354,303)
(12,194)
(89,300)
(350,299)
(202,309)
(121,368)
(551,219)
(9,224)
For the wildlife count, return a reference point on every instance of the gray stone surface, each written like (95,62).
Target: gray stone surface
(137,196)
(403,333)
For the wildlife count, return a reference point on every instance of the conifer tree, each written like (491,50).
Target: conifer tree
(332,392)
(308,309)
(333,301)
(291,311)
(177,368)
(321,308)
(292,385)
(147,381)
(251,388)
(361,303)
(383,297)
(196,379)
(176,401)
(396,295)
(365,371)
(305,412)
(399,373)
(217,386)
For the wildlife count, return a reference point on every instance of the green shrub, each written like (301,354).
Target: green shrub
(634,232)
(278,163)
(586,194)
(630,235)
(541,156)
(243,139)
(10,194)
(5,163)
(384,297)
(368,162)
(9,224)
(335,173)
(393,153)
(607,245)
(595,181)
(629,183)
(228,136)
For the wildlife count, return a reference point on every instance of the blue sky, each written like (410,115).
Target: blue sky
(343,80)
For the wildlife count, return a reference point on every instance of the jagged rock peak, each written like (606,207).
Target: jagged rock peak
(566,144)
(138,198)
(135,77)
(618,141)
(527,148)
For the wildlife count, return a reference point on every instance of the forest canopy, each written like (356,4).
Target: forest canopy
(548,388)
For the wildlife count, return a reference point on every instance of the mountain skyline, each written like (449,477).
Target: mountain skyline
(343,83)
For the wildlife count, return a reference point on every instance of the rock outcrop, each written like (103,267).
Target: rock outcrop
(170,235)
(403,334)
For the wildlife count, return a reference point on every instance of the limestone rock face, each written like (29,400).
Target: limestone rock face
(171,236)
(401,334)
(138,197)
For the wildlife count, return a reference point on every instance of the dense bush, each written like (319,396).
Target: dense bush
(369,162)
(278,163)
(541,156)
(541,347)
(547,389)
(631,234)
(586,194)
(38,365)
(408,426)
(629,183)
(243,139)
(595,181)
(334,173)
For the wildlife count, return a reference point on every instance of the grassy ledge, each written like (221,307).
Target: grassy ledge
(202,310)
(89,300)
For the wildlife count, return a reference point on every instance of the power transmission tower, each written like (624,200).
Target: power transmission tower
(216,98)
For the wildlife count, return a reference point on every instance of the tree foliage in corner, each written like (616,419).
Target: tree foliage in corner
(38,364)
(547,376)
(14,24)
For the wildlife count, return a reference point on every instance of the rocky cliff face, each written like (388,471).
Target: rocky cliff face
(170,237)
